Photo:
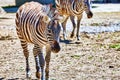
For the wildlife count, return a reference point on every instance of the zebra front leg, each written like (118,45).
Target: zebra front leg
(36,52)
(37,67)
(64,28)
(42,64)
(74,26)
(47,59)
(26,54)
(78,27)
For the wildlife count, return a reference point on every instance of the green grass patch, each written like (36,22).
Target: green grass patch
(115,46)
(90,57)
(95,24)
(75,56)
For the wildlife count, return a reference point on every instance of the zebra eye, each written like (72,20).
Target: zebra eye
(49,30)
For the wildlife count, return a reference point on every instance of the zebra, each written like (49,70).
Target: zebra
(38,24)
(72,8)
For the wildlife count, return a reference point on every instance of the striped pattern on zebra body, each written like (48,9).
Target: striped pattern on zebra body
(72,9)
(38,24)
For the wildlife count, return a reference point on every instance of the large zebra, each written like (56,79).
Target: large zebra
(38,24)
(72,8)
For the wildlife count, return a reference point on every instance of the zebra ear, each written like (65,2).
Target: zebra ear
(46,19)
(58,17)
(57,2)
(51,5)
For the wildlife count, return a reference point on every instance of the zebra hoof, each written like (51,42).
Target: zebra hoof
(28,75)
(64,36)
(72,35)
(38,75)
(78,38)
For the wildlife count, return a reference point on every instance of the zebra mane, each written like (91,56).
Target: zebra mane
(46,8)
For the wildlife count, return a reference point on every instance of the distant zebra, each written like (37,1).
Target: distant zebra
(38,24)
(72,8)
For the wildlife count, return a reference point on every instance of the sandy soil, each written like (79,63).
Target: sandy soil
(89,59)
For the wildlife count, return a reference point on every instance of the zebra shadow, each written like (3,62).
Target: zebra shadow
(11,79)
(70,42)
(65,41)
(18,79)
(1,78)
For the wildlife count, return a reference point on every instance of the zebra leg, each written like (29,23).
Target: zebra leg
(36,52)
(74,26)
(64,28)
(26,54)
(47,59)
(78,27)
(42,64)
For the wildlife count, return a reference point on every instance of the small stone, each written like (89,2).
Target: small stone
(111,66)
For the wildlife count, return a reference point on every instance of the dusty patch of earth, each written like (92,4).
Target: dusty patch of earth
(89,59)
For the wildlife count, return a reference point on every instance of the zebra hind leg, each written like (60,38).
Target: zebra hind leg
(74,26)
(26,54)
(64,28)
(78,27)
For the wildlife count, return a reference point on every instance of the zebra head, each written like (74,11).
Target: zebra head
(87,6)
(53,31)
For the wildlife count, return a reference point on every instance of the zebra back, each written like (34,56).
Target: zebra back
(71,7)
(32,21)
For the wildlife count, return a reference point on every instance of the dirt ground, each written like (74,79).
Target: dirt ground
(89,59)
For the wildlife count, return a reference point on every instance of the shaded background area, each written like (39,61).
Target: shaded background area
(20,2)
(105,1)
(11,6)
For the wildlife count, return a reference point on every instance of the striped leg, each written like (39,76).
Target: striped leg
(26,54)
(37,66)
(74,26)
(78,27)
(64,28)
(38,61)
(47,59)
(35,52)
(42,64)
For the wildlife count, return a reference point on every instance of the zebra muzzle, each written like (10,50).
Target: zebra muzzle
(55,47)
(89,14)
